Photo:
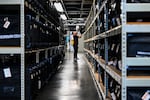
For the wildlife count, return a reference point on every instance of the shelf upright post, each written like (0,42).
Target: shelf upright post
(98,26)
(37,57)
(22,50)
(94,33)
(106,47)
(124,89)
(46,54)
(94,13)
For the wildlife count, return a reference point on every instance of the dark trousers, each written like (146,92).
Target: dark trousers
(75,50)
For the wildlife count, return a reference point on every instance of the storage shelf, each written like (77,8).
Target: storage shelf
(109,33)
(137,7)
(145,61)
(89,52)
(34,18)
(101,62)
(132,67)
(138,81)
(114,31)
(40,50)
(89,40)
(137,27)
(113,72)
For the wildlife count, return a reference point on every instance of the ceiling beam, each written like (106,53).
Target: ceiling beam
(77,3)
(79,24)
(77,12)
(84,9)
(72,0)
(81,9)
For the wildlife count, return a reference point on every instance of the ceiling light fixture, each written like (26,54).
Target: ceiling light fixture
(58,6)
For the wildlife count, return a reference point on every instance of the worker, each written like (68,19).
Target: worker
(76,35)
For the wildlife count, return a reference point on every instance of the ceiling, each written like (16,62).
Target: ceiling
(77,8)
(76,11)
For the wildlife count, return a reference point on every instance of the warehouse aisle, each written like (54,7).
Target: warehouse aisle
(72,82)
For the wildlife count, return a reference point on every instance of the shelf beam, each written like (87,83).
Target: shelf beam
(145,61)
(12,2)
(112,32)
(138,81)
(138,7)
(137,27)
(13,50)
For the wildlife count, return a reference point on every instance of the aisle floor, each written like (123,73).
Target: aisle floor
(72,82)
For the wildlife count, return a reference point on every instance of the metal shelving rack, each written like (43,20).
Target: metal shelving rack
(121,77)
(20,50)
(133,27)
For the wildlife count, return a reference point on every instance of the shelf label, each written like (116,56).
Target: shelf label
(113,46)
(31,76)
(39,84)
(6,25)
(146,96)
(117,49)
(7,72)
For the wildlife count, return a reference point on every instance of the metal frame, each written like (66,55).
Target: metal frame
(22,50)
(136,81)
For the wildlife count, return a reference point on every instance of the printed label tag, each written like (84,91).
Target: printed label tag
(113,46)
(6,25)
(7,72)
(39,84)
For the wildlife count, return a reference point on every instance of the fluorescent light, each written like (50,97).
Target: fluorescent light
(63,16)
(58,6)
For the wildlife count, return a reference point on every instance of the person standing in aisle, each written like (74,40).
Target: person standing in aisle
(76,35)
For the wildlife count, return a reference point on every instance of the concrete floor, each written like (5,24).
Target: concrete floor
(72,82)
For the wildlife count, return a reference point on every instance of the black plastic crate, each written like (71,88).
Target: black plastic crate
(138,45)
(138,16)
(136,93)
(10,89)
(10,25)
